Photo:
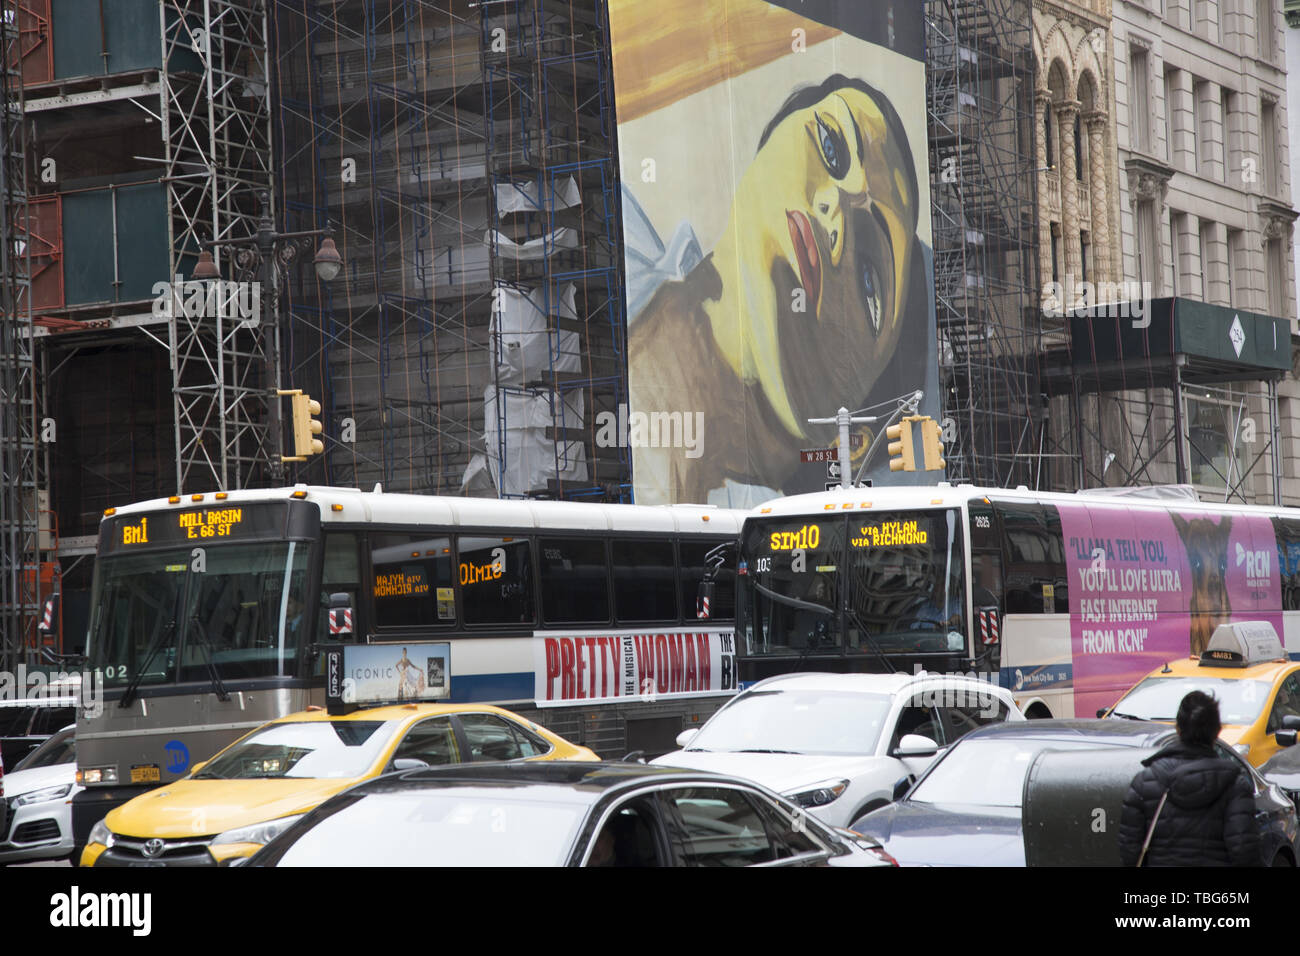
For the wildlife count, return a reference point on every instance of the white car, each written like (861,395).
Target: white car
(38,794)
(840,745)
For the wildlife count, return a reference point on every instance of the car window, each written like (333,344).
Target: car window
(432,740)
(1287,703)
(494,738)
(961,718)
(791,835)
(61,748)
(50,720)
(14,721)
(630,836)
(918,718)
(717,826)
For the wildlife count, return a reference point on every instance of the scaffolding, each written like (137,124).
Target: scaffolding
(980,81)
(20,544)
(405,123)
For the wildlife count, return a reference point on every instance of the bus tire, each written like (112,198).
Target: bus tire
(1038,711)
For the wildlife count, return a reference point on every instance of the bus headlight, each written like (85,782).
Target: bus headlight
(818,794)
(259,833)
(101,834)
(93,775)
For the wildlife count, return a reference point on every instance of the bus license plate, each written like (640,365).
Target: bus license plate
(146,773)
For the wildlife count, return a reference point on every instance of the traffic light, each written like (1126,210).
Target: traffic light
(305,426)
(902,457)
(930,435)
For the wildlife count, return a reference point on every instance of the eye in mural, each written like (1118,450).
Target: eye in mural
(778,260)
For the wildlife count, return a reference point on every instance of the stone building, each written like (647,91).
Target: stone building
(1175,359)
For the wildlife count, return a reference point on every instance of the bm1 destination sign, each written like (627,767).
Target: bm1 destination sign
(212,525)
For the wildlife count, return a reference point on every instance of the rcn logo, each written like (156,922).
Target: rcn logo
(1257,563)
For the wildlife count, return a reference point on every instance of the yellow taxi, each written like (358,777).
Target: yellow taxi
(1246,669)
(231,805)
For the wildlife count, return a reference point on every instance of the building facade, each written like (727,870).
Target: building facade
(1179,356)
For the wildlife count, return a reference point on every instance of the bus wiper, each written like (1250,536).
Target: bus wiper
(871,641)
(206,645)
(793,602)
(128,695)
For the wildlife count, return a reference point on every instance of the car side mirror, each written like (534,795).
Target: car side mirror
(1101,711)
(914,745)
(902,786)
(686,736)
(1291,722)
(1285,738)
(409,763)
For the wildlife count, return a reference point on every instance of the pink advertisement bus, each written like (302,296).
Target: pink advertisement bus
(1068,600)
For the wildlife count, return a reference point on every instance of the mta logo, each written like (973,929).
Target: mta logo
(178,756)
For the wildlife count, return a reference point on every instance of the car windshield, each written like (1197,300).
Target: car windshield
(458,826)
(61,748)
(306,749)
(1157,698)
(818,722)
(987,772)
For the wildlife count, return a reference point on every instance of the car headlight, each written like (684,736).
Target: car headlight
(818,794)
(43,795)
(101,834)
(259,833)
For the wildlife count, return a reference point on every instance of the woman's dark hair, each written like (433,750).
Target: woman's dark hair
(810,96)
(1198,719)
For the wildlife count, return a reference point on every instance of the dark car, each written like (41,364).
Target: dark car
(562,814)
(1043,793)
(26,724)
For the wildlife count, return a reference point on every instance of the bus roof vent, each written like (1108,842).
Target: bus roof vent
(1161,492)
(1242,644)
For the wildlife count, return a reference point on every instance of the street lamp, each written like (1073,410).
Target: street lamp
(263,259)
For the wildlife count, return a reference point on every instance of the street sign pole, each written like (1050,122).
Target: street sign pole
(843,419)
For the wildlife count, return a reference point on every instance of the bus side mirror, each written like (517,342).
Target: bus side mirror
(704,600)
(340,613)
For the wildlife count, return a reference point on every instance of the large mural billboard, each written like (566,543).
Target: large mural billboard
(776,218)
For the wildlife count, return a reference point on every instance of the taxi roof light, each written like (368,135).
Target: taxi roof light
(1241,644)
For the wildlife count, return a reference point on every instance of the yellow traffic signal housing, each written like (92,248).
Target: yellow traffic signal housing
(902,457)
(933,447)
(305,425)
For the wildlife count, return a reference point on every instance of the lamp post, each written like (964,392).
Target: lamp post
(263,259)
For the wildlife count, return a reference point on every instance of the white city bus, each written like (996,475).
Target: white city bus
(1065,599)
(210,614)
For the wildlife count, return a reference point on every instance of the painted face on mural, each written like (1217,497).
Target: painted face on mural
(825,228)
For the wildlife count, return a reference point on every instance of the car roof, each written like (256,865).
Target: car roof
(394,712)
(1267,671)
(861,683)
(584,781)
(1114,732)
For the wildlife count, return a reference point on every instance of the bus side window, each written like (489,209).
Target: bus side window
(645,585)
(341,574)
(1288,561)
(412,580)
(496,580)
(1035,558)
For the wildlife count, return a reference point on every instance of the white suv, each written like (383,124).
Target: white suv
(39,792)
(840,744)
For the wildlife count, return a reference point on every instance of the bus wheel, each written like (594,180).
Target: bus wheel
(1038,712)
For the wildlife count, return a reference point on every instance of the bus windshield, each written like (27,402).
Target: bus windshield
(887,582)
(172,616)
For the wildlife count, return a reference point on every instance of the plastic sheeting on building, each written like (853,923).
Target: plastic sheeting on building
(527,345)
(507,248)
(527,196)
(529,457)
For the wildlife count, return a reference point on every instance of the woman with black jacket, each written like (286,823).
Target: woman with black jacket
(1208,812)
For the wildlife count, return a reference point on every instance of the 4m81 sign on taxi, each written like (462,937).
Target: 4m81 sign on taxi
(610,666)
